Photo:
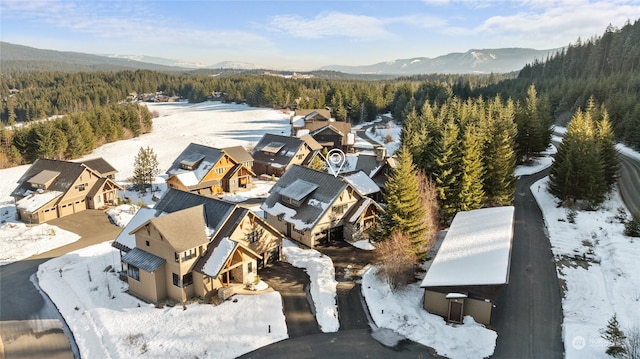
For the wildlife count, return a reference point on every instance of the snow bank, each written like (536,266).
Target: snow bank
(402,312)
(323,283)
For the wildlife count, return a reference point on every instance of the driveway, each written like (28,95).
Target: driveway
(528,316)
(29,322)
(293,285)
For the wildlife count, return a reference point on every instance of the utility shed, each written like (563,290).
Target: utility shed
(471,265)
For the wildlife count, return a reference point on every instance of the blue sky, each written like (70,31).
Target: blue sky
(304,35)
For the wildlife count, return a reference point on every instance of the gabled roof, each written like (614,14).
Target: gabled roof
(362,183)
(204,156)
(216,211)
(311,142)
(321,114)
(238,153)
(126,241)
(282,147)
(357,210)
(184,229)
(317,202)
(68,174)
(475,251)
(218,254)
(101,166)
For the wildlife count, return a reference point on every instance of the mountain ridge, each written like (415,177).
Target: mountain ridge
(502,60)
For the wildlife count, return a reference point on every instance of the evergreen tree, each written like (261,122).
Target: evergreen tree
(608,151)
(404,211)
(471,194)
(578,173)
(616,338)
(145,168)
(499,154)
(447,170)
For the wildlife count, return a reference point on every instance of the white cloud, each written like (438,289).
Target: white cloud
(133,20)
(331,24)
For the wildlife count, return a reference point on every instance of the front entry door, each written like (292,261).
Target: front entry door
(455,312)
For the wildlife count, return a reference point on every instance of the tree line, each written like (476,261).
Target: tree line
(72,136)
(606,68)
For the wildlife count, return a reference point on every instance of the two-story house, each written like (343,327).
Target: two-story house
(275,154)
(323,128)
(207,170)
(191,245)
(313,207)
(51,189)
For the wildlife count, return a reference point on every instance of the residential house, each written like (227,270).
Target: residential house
(376,165)
(207,170)
(191,245)
(275,154)
(314,207)
(51,189)
(471,265)
(323,128)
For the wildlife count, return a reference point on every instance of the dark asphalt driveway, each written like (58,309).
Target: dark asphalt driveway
(528,316)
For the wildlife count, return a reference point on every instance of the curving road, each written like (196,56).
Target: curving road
(528,315)
(629,182)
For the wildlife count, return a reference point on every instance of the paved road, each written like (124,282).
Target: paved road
(30,315)
(528,316)
(629,182)
(293,285)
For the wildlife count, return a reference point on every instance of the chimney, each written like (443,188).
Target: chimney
(381,153)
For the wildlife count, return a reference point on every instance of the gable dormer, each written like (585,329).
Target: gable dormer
(297,192)
(272,148)
(43,179)
(192,161)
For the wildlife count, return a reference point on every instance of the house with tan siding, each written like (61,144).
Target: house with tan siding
(313,207)
(471,265)
(52,189)
(190,245)
(275,154)
(208,170)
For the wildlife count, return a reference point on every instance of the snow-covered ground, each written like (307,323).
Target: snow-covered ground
(320,269)
(110,323)
(603,281)
(388,136)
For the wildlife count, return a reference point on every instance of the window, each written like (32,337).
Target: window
(81,187)
(133,272)
(220,170)
(147,243)
(254,236)
(176,280)
(250,267)
(300,156)
(339,209)
(188,254)
(187,279)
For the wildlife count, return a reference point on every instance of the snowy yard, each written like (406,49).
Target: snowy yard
(598,266)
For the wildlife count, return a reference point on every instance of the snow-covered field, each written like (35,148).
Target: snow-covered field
(109,323)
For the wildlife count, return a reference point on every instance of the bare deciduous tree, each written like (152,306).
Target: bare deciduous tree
(396,260)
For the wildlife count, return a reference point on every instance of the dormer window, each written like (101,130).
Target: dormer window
(295,193)
(43,179)
(191,162)
(272,148)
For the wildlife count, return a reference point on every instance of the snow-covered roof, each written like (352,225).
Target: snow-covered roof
(362,183)
(36,200)
(126,240)
(219,257)
(475,251)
